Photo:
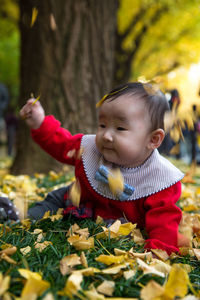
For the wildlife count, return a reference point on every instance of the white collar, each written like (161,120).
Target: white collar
(156,174)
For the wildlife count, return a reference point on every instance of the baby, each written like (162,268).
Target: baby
(130,129)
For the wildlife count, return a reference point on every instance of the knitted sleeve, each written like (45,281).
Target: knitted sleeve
(163,218)
(57,141)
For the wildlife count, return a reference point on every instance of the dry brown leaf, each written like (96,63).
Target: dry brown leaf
(161,254)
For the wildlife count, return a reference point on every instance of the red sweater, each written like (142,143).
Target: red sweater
(157,213)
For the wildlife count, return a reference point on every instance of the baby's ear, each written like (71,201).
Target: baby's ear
(156,138)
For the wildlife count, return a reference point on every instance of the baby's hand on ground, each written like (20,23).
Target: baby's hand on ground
(33,114)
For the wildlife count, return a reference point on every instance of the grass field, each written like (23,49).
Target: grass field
(51,259)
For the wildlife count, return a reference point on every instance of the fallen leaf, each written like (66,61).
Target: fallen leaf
(110,259)
(106,287)
(25,250)
(161,254)
(4,284)
(34,283)
(68,262)
(73,285)
(152,291)
(177,283)
(42,246)
(80,242)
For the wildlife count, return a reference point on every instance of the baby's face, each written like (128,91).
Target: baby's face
(123,135)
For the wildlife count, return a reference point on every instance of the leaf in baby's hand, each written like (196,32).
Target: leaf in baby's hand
(75,193)
(34,16)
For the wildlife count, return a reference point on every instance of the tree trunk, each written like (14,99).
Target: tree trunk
(67,57)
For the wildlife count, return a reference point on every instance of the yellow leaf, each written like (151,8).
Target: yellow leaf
(67,262)
(34,16)
(116,181)
(34,284)
(4,284)
(94,295)
(145,256)
(80,242)
(25,250)
(116,269)
(75,193)
(42,246)
(110,259)
(138,237)
(152,291)
(48,296)
(126,228)
(177,283)
(83,260)
(73,285)
(161,254)
(128,274)
(8,259)
(175,150)
(106,287)
(9,250)
(148,269)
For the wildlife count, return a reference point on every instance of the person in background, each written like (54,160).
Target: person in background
(11,122)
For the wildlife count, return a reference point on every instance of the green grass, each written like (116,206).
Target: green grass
(47,262)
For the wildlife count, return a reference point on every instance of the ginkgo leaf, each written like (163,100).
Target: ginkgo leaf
(34,283)
(34,16)
(68,262)
(177,283)
(25,250)
(116,269)
(75,193)
(83,260)
(116,181)
(9,250)
(8,259)
(42,246)
(161,254)
(148,269)
(73,285)
(4,284)
(110,259)
(80,242)
(106,287)
(152,291)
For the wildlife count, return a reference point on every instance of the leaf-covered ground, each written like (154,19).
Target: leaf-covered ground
(62,259)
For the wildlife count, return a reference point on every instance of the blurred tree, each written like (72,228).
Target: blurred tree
(155,36)
(67,57)
(9,47)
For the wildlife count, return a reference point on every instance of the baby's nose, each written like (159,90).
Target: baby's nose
(108,136)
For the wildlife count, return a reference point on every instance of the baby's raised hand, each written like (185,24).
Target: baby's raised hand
(33,113)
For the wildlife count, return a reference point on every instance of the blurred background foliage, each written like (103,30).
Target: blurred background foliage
(9,47)
(153,38)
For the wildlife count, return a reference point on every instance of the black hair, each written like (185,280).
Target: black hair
(154,100)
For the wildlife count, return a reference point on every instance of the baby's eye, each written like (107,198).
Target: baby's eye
(121,128)
(102,125)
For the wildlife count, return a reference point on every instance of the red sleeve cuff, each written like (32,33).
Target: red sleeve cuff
(156,244)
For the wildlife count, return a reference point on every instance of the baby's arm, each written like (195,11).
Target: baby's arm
(163,218)
(33,114)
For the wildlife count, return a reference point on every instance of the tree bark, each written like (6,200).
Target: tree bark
(67,57)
